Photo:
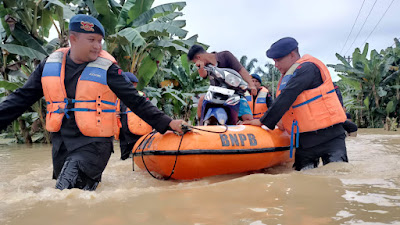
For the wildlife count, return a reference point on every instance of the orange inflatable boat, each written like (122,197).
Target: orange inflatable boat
(211,150)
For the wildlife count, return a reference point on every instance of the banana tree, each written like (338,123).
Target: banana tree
(181,100)
(269,77)
(367,76)
(393,80)
(24,27)
(140,36)
(248,66)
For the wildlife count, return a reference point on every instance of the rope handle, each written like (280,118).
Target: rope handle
(185,129)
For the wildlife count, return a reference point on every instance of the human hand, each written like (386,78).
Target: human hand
(176,125)
(253,90)
(200,64)
(200,68)
(255,122)
(280,125)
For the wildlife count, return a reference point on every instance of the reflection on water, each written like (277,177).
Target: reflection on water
(364,191)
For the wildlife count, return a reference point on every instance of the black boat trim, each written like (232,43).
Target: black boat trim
(211,151)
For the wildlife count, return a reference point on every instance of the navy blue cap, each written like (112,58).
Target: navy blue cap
(130,77)
(282,48)
(255,76)
(86,24)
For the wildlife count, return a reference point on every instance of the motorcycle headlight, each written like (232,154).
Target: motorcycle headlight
(232,80)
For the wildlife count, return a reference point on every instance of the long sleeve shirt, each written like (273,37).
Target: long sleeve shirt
(19,101)
(306,77)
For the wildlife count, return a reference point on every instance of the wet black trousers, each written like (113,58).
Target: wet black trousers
(126,150)
(333,150)
(81,168)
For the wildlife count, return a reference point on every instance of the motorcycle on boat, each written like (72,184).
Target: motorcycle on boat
(222,100)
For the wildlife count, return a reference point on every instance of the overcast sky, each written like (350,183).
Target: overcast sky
(249,27)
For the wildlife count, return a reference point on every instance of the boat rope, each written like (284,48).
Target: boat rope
(185,129)
(139,146)
(210,131)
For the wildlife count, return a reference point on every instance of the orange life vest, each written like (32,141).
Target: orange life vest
(259,107)
(313,109)
(135,124)
(94,103)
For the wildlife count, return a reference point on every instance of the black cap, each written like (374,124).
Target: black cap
(282,48)
(86,24)
(257,77)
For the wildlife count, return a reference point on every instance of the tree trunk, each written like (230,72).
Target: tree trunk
(25,131)
(360,114)
(43,123)
(376,97)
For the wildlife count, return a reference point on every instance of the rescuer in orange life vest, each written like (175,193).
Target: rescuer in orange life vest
(79,85)
(260,102)
(129,126)
(306,104)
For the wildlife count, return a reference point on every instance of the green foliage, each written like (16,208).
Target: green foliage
(372,82)
(270,77)
(390,107)
(143,35)
(146,41)
(23,51)
(178,101)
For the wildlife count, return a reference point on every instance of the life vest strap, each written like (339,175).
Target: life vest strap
(312,99)
(126,112)
(69,101)
(65,111)
(108,103)
(294,124)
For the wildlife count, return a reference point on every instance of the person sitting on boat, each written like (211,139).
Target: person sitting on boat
(260,102)
(306,104)
(130,126)
(224,59)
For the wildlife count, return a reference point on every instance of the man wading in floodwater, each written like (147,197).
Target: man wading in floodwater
(79,85)
(307,104)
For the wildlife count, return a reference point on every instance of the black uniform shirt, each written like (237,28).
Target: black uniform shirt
(306,77)
(24,97)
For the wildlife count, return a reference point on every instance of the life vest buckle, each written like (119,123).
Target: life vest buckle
(60,110)
(68,102)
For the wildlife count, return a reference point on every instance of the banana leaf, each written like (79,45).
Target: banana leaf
(67,12)
(157,11)
(148,68)
(23,51)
